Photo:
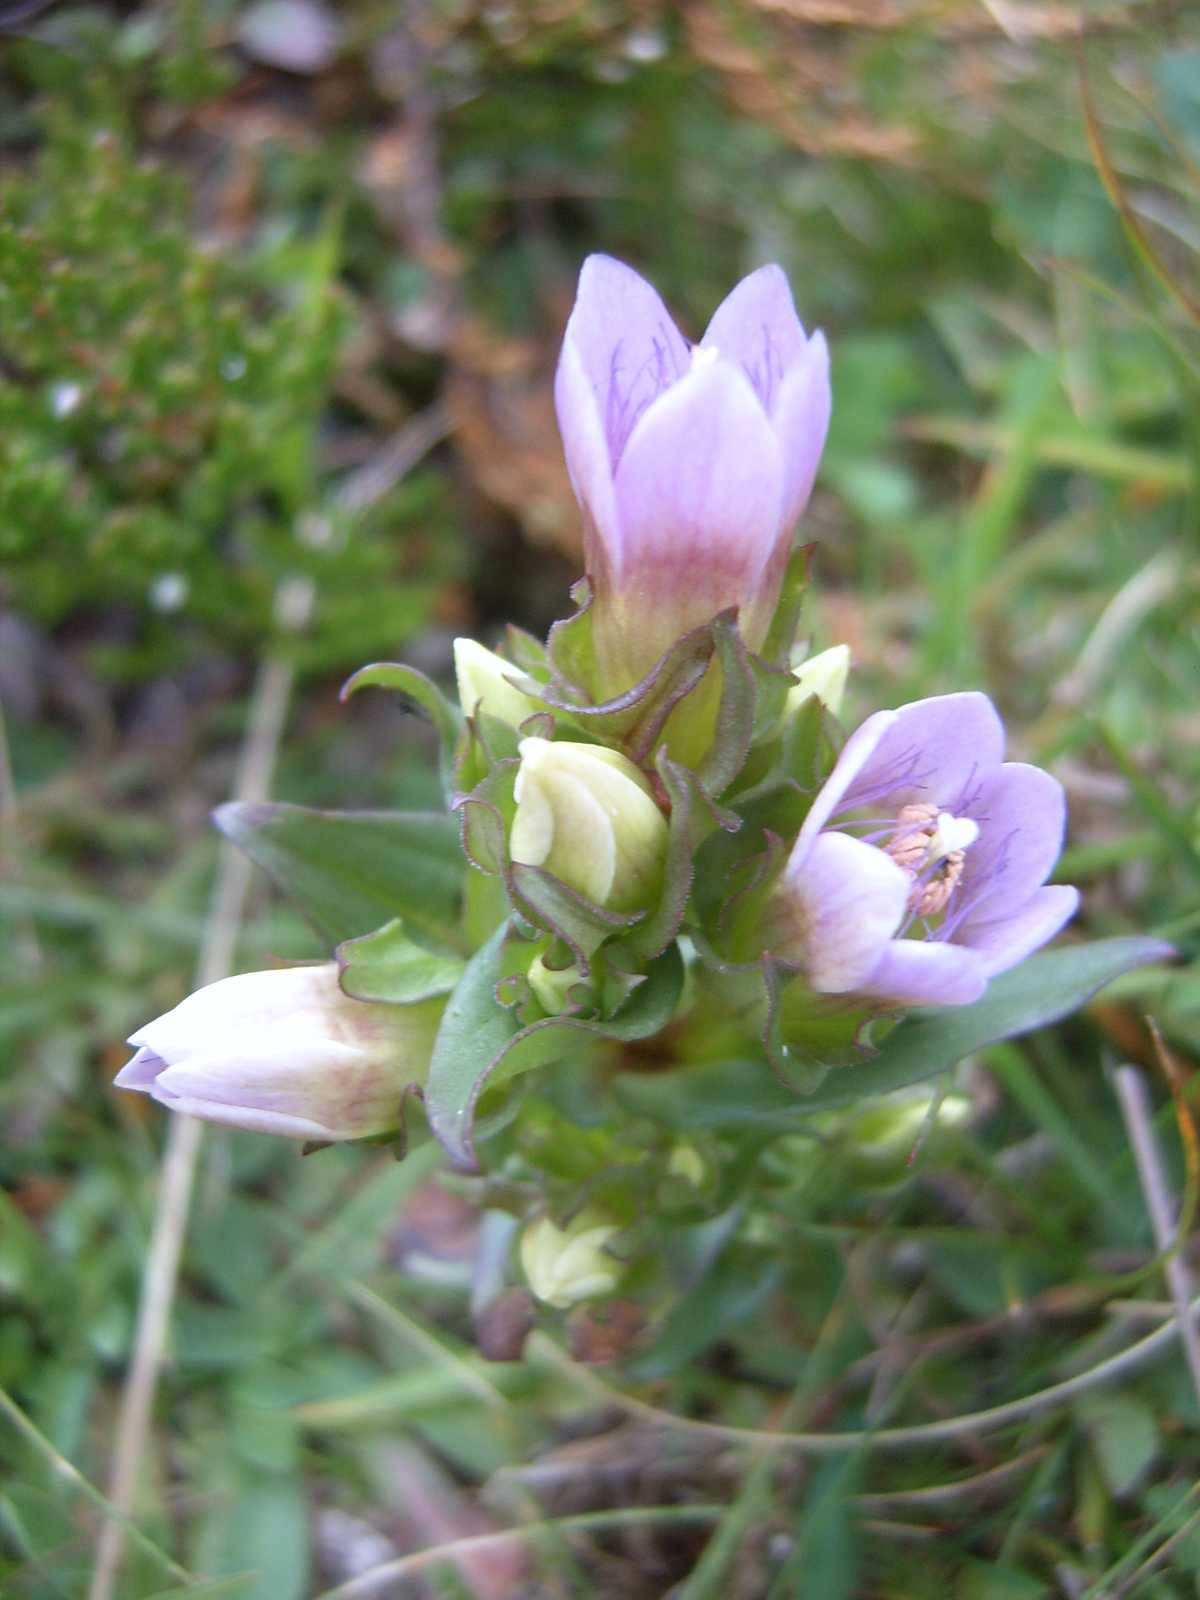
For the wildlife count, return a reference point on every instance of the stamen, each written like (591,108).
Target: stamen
(914,838)
(934,897)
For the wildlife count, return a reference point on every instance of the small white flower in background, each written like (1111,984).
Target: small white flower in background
(587,815)
(285,1052)
(566,1265)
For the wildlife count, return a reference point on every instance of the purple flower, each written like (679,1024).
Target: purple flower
(692,464)
(920,870)
(285,1052)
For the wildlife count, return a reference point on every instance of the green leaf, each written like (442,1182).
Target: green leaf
(352,871)
(479,1043)
(1041,990)
(824,1557)
(261,1529)
(1124,1435)
(389,965)
(475,1029)
(730,1292)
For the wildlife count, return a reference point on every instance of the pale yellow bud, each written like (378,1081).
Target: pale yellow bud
(566,1265)
(686,1162)
(823,676)
(484,684)
(552,985)
(587,815)
(882,1134)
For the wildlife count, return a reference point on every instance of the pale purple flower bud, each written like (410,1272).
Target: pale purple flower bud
(691,465)
(285,1052)
(920,871)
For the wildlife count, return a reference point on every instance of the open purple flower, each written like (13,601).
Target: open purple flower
(691,464)
(920,871)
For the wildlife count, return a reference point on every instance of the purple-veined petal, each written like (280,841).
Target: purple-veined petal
(756,327)
(1002,942)
(845,903)
(801,418)
(1021,812)
(628,347)
(938,750)
(924,973)
(698,494)
(857,751)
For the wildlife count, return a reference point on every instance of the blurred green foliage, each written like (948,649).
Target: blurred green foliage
(226,285)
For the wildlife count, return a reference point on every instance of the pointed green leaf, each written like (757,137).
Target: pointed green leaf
(1040,991)
(352,871)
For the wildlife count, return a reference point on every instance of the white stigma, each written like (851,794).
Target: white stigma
(950,834)
(703,355)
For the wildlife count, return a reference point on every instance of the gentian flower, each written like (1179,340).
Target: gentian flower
(285,1052)
(691,464)
(920,871)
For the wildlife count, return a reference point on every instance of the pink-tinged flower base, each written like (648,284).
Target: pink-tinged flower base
(920,871)
(692,464)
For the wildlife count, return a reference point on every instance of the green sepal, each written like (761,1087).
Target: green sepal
(806,1035)
(785,624)
(389,965)
(693,816)
(527,653)
(570,650)
(634,721)
(480,1043)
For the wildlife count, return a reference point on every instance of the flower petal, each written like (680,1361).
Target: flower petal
(1021,812)
(699,492)
(937,750)
(140,1071)
(628,348)
(844,904)
(1003,942)
(756,326)
(287,1076)
(858,750)
(248,1119)
(924,973)
(801,419)
(589,463)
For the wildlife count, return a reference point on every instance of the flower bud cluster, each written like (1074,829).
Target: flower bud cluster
(666,805)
